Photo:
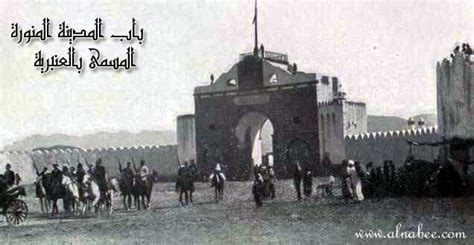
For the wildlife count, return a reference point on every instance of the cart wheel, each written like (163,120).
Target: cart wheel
(16,212)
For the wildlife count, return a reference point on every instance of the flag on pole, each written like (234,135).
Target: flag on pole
(255,14)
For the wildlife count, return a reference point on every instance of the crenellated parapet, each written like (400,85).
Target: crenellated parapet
(329,103)
(377,147)
(387,135)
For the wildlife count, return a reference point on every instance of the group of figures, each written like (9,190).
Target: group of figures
(188,174)
(415,178)
(264,183)
(82,189)
(465,49)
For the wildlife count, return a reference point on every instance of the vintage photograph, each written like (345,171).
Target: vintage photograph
(236,122)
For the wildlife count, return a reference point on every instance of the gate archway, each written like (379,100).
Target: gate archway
(229,114)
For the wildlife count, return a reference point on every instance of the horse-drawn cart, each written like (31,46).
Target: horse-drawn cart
(13,208)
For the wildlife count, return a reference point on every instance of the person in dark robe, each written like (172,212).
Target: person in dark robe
(386,178)
(194,170)
(3,184)
(297,175)
(100,175)
(369,190)
(127,172)
(378,180)
(468,50)
(257,190)
(56,174)
(80,172)
(56,182)
(392,179)
(327,165)
(346,184)
(272,177)
(73,173)
(307,182)
(9,175)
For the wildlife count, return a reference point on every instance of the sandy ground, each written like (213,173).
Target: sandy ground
(237,220)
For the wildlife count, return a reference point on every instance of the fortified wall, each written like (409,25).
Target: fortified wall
(391,145)
(163,159)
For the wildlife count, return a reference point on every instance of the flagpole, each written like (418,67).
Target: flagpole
(255,49)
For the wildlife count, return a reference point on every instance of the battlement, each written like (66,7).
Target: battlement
(329,103)
(393,134)
(391,145)
(340,102)
(97,150)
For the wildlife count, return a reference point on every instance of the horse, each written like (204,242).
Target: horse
(71,195)
(143,188)
(126,186)
(112,188)
(218,181)
(66,189)
(185,185)
(93,197)
(92,194)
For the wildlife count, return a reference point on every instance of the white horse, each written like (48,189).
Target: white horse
(91,195)
(112,189)
(71,197)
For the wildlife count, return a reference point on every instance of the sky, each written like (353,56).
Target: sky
(383,52)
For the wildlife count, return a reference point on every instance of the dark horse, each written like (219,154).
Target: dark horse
(143,188)
(60,189)
(218,181)
(185,185)
(127,190)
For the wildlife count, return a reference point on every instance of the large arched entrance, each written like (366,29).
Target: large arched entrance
(254,132)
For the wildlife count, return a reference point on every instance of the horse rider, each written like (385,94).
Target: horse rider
(56,174)
(143,170)
(73,173)
(127,172)
(218,172)
(66,172)
(80,172)
(100,176)
(181,171)
(193,167)
(9,175)
(57,179)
